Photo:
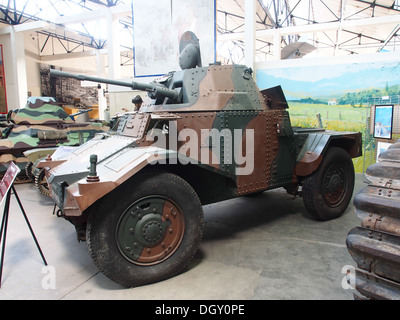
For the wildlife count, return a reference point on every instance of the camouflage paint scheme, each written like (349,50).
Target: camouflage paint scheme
(41,124)
(375,244)
(214,97)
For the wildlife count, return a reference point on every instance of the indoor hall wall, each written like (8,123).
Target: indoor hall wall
(32,69)
(11,86)
(32,59)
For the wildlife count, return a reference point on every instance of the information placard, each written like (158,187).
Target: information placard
(8,180)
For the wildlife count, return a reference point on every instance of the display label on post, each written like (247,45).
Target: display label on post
(8,180)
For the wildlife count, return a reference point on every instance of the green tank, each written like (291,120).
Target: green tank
(204,134)
(41,124)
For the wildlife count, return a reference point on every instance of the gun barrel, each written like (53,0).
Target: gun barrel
(57,73)
(155,89)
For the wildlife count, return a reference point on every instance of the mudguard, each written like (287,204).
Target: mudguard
(117,160)
(315,145)
(36,154)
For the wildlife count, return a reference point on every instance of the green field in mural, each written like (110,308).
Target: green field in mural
(337,118)
(340,93)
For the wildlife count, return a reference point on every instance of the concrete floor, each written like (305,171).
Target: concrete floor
(259,248)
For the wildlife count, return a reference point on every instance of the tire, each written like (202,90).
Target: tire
(328,191)
(146,231)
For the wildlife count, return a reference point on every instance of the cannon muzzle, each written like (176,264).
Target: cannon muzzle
(155,90)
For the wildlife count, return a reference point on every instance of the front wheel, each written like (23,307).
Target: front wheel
(41,182)
(147,230)
(328,191)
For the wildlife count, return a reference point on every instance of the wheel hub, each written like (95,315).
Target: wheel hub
(334,185)
(150,230)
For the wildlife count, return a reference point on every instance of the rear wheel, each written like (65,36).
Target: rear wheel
(328,191)
(147,231)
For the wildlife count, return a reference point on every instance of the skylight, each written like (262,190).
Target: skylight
(52,10)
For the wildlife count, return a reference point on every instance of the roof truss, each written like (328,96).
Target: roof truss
(270,14)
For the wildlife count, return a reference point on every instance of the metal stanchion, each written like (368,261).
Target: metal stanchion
(7,183)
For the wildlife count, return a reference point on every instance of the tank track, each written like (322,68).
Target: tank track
(375,245)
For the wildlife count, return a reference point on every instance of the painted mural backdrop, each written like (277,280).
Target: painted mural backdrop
(338,97)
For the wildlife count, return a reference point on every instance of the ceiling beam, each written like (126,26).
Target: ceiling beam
(390,36)
(72,55)
(374,4)
(316,27)
(339,31)
(119,11)
(29,26)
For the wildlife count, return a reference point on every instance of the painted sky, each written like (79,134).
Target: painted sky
(330,80)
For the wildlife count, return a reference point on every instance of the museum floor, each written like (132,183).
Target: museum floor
(259,248)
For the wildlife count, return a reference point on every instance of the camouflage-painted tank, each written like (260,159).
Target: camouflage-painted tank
(375,244)
(41,124)
(205,134)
